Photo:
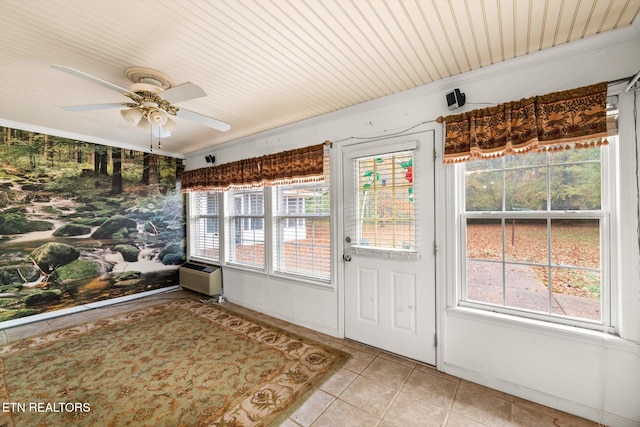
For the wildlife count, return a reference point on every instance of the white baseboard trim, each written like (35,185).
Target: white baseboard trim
(561,404)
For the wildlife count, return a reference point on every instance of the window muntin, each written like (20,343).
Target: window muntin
(204,231)
(245,227)
(533,228)
(302,242)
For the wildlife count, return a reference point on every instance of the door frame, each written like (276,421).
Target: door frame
(337,227)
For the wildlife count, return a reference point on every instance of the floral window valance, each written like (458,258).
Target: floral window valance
(293,166)
(573,118)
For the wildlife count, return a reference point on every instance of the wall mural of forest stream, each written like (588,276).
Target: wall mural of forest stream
(82,222)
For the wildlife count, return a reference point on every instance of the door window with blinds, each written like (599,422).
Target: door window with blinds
(204,234)
(385,217)
(302,230)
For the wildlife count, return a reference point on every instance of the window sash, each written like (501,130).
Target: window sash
(245,231)
(302,230)
(204,231)
(549,216)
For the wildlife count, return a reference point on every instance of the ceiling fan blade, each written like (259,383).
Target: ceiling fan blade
(203,120)
(91,107)
(183,92)
(91,78)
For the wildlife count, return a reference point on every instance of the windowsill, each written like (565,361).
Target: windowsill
(555,330)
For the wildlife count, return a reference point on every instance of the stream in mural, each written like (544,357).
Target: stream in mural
(81,223)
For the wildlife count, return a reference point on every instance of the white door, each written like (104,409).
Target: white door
(389,262)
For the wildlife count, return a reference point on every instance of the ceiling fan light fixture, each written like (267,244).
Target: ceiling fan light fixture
(160,132)
(157,117)
(132,116)
(169,126)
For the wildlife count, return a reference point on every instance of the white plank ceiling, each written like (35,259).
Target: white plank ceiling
(263,64)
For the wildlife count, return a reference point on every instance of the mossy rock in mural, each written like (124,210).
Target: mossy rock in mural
(72,230)
(78,269)
(173,254)
(17,223)
(114,226)
(18,274)
(173,259)
(54,254)
(127,276)
(42,297)
(129,253)
(93,221)
(33,187)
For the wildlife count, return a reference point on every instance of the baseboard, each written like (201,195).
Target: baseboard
(568,406)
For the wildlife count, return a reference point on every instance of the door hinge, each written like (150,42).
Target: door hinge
(435,248)
(435,154)
(435,340)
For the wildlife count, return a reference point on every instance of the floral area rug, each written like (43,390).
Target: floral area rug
(181,363)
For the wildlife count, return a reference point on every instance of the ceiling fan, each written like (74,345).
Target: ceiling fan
(151,98)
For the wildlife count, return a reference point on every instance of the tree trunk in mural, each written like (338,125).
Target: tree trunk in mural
(154,176)
(8,137)
(32,157)
(145,168)
(100,162)
(116,178)
(77,152)
(48,151)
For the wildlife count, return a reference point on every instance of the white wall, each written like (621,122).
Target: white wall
(587,373)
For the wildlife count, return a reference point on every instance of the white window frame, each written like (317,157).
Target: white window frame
(282,225)
(247,221)
(194,215)
(609,291)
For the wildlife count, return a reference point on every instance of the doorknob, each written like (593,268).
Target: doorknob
(347,258)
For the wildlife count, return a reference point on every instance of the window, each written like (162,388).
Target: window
(302,230)
(385,217)
(245,227)
(204,237)
(535,236)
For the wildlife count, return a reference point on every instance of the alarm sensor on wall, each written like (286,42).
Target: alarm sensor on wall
(455,99)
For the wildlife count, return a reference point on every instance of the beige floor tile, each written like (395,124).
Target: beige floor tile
(410,411)
(289,423)
(531,414)
(68,321)
(398,359)
(359,359)
(311,409)
(338,382)
(482,405)
(387,372)
(435,390)
(25,331)
(368,395)
(480,389)
(342,414)
(362,347)
(457,420)
(101,313)
(432,371)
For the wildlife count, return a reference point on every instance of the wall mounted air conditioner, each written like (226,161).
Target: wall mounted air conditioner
(206,279)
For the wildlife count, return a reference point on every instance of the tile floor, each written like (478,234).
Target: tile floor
(374,388)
